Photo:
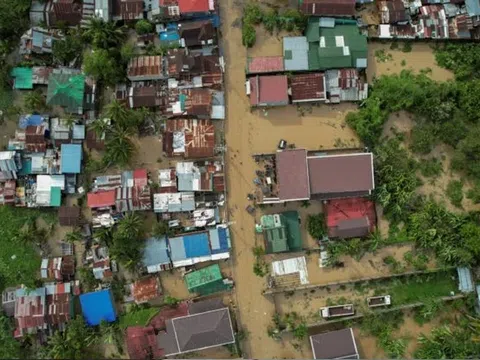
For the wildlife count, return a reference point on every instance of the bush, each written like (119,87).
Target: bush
(474,193)
(455,192)
(316,226)
(270,20)
(430,168)
(249,36)
(143,27)
(423,139)
(252,14)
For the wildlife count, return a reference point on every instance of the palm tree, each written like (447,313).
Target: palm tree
(73,236)
(117,111)
(100,126)
(69,120)
(103,35)
(119,149)
(27,235)
(109,332)
(34,101)
(131,226)
(104,236)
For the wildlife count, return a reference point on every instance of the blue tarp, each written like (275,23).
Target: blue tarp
(71,161)
(196,245)
(30,120)
(169,36)
(98,306)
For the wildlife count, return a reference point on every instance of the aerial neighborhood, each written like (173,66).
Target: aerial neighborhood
(239,179)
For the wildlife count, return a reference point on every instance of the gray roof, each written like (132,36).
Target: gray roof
(177,248)
(295,53)
(203,330)
(350,228)
(465,283)
(79,132)
(205,305)
(334,345)
(155,252)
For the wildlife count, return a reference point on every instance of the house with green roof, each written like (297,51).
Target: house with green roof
(335,47)
(22,78)
(207,281)
(66,90)
(281,232)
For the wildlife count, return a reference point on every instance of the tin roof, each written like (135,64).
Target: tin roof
(35,138)
(328,7)
(202,277)
(71,158)
(197,33)
(264,64)
(352,217)
(292,175)
(193,138)
(22,78)
(101,199)
(142,343)
(335,176)
(146,289)
(128,9)
(295,53)
(268,90)
(392,11)
(145,66)
(66,90)
(334,345)
(155,253)
(308,87)
(166,313)
(40,75)
(465,282)
(195,6)
(69,215)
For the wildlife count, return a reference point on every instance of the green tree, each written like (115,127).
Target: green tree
(104,236)
(68,49)
(131,226)
(467,155)
(161,229)
(34,101)
(102,66)
(9,347)
(249,36)
(252,14)
(171,301)
(143,27)
(100,127)
(73,236)
(102,34)
(455,192)
(123,118)
(128,242)
(108,331)
(87,279)
(316,226)
(119,148)
(127,52)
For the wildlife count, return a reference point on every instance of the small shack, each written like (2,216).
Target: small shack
(207,281)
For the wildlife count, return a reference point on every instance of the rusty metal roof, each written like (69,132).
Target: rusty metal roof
(308,87)
(69,215)
(199,137)
(145,65)
(146,289)
(292,175)
(265,64)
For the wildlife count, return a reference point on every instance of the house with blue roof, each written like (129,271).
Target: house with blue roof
(71,158)
(156,255)
(193,248)
(98,306)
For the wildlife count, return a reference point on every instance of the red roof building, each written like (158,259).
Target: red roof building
(347,218)
(192,138)
(265,64)
(142,343)
(167,313)
(7,192)
(145,68)
(268,90)
(195,6)
(328,7)
(308,88)
(35,139)
(196,102)
(146,289)
(101,199)
(127,9)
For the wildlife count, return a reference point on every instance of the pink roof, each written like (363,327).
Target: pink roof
(142,343)
(193,6)
(167,313)
(140,177)
(269,90)
(265,64)
(339,210)
(292,175)
(101,199)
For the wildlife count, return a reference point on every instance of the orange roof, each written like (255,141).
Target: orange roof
(146,289)
(101,199)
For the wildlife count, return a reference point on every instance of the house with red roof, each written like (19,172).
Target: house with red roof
(267,90)
(195,7)
(146,289)
(349,218)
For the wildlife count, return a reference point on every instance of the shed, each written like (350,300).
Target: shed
(71,158)
(295,53)
(296,265)
(328,7)
(156,255)
(465,282)
(22,78)
(78,132)
(352,217)
(98,306)
(67,91)
(206,281)
(339,344)
(69,215)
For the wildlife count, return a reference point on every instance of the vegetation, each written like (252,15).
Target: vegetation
(316,226)
(161,229)
(34,101)
(102,34)
(260,267)
(430,168)
(143,27)
(291,322)
(137,316)
(102,66)
(9,347)
(455,192)
(127,244)
(88,281)
(67,50)
(171,301)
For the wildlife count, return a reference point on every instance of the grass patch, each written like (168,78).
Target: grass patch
(419,288)
(455,192)
(139,317)
(383,56)
(430,168)
(19,262)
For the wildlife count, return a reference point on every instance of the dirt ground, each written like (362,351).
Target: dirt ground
(421,57)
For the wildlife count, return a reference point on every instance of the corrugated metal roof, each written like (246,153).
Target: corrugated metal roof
(291,266)
(101,199)
(71,158)
(146,289)
(264,64)
(78,132)
(269,90)
(202,277)
(295,53)
(66,90)
(156,254)
(22,78)
(465,282)
(308,87)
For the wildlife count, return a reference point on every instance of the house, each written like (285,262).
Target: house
(348,218)
(345,85)
(69,215)
(97,307)
(197,177)
(156,256)
(196,332)
(167,180)
(41,74)
(192,8)
(264,65)
(101,199)
(35,140)
(341,8)
(300,176)
(197,34)
(66,90)
(308,88)
(56,12)
(190,138)
(174,202)
(143,68)
(268,90)
(60,268)
(8,193)
(473,7)
(339,344)
(392,11)
(340,46)
(295,53)
(22,78)
(281,232)
(9,165)
(127,10)
(196,102)
(142,343)
(207,245)
(146,289)
(341,176)
(49,190)
(39,41)
(49,307)
(93,141)
(207,281)
(151,96)
(71,158)
(60,132)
